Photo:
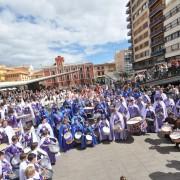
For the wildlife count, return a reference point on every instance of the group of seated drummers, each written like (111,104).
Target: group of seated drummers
(29,148)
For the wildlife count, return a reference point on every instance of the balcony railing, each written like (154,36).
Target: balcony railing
(156,10)
(128,18)
(129,26)
(130,48)
(158,53)
(151,2)
(155,33)
(129,40)
(157,42)
(156,21)
(128,11)
(129,33)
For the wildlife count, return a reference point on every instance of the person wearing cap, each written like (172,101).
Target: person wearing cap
(170,104)
(177,109)
(141,105)
(64,128)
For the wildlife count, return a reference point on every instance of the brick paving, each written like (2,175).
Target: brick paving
(145,157)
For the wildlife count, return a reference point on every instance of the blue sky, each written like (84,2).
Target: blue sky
(35,32)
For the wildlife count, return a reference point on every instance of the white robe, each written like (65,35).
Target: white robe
(47,125)
(22,168)
(10,133)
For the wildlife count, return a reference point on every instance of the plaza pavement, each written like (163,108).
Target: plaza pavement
(145,157)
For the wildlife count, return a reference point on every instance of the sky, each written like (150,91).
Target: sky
(34,32)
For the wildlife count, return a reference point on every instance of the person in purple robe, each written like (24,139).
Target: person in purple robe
(133,109)
(177,109)
(150,117)
(5,167)
(45,141)
(117,125)
(104,123)
(161,113)
(15,149)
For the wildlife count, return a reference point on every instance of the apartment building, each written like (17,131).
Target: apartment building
(156,8)
(172,30)
(103,69)
(123,61)
(138,25)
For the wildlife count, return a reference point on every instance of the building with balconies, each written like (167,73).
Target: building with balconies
(156,8)
(138,23)
(172,31)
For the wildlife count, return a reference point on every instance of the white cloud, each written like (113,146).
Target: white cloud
(58,24)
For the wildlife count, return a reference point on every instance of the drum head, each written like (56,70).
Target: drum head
(15,161)
(106,130)
(175,135)
(54,148)
(44,162)
(27,150)
(88,137)
(132,122)
(67,135)
(78,135)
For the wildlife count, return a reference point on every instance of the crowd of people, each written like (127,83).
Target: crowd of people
(159,71)
(36,126)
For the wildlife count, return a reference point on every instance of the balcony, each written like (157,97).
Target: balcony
(128,11)
(156,10)
(151,2)
(130,48)
(128,18)
(157,32)
(129,40)
(158,53)
(129,33)
(157,42)
(129,26)
(156,21)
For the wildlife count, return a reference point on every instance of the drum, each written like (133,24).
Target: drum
(27,150)
(166,129)
(47,174)
(3,147)
(117,128)
(134,125)
(106,131)
(54,148)
(68,138)
(44,162)
(13,176)
(78,136)
(88,139)
(15,161)
(175,137)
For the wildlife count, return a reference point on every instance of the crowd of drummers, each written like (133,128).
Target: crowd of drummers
(36,126)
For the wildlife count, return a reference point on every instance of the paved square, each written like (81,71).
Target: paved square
(140,158)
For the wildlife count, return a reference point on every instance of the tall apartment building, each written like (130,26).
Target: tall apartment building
(138,18)
(172,30)
(123,61)
(156,8)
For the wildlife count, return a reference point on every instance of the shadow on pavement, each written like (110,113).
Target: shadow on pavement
(165,176)
(174,164)
(164,149)
(157,141)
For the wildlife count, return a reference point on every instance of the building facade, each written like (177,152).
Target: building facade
(84,75)
(103,69)
(123,61)
(156,8)
(172,30)
(139,32)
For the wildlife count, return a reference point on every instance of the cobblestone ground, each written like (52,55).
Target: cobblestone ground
(139,158)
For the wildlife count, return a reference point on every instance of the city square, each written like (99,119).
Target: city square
(90,90)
